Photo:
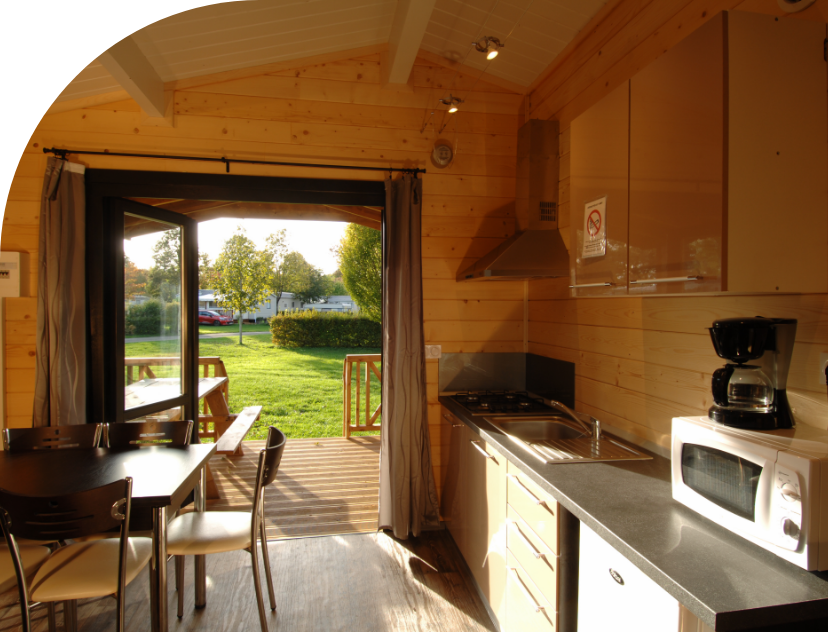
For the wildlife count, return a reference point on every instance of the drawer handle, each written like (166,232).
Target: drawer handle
(476,444)
(591,285)
(616,576)
(525,540)
(451,419)
(525,591)
(526,491)
(668,280)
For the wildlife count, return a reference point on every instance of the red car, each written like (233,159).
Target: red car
(213,318)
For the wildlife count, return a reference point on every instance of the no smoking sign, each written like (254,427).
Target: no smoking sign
(595,228)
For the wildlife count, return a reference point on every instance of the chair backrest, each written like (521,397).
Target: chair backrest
(69,516)
(271,456)
(142,433)
(52,437)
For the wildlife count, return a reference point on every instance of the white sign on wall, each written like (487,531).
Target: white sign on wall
(595,228)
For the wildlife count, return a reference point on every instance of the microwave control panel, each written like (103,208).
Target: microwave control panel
(786,509)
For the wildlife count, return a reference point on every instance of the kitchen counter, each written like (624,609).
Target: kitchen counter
(727,582)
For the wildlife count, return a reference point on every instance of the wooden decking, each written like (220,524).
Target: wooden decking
(324,486)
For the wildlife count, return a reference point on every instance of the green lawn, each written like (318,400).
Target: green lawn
(300,389)
(234,328)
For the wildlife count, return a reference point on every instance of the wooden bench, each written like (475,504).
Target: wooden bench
(230,430)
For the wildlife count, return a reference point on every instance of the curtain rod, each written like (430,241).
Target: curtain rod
(61,153)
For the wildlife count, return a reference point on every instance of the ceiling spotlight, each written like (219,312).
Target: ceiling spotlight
(489,45)
(452,102)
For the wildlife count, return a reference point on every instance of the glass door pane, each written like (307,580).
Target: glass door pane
(152,311)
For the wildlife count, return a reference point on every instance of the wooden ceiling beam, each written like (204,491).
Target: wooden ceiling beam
(360,211)
(138,77)
(407,30)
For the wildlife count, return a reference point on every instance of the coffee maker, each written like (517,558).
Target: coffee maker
(752,396)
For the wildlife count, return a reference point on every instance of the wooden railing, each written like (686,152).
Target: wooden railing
(351,423)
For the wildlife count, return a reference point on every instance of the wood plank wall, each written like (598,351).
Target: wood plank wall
(642,361)
(331,112)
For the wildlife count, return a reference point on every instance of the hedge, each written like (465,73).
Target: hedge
(320,329)
(145,319)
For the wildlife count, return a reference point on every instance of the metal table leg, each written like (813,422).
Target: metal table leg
(158,570)
(201,560)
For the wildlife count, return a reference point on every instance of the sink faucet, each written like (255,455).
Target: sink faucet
(594,432)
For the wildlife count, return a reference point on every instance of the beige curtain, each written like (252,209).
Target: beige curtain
(60,378)
(408,496)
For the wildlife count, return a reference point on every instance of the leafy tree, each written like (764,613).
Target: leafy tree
(335,286)
(135,279)
(241,275)
(164,278)
(280,275)
(308,284)
(206,272)
(360,260)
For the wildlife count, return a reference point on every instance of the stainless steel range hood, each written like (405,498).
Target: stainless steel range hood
(537,249)
(527,255)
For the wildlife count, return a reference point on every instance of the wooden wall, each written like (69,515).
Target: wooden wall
(331,112)
(642,361)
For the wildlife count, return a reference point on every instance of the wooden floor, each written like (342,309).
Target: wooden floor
(361,582)
(324,486)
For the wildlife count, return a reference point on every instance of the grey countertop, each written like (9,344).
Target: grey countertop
(726,581)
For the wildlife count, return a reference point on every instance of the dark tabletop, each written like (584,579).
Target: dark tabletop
(162,475)
(728,582)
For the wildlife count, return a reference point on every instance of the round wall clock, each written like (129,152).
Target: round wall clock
(442,155)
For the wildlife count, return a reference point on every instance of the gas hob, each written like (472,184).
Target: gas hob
(492,403)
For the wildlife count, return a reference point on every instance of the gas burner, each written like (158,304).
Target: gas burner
(500,403)
(528,404)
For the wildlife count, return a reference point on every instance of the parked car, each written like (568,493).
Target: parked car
(213,318)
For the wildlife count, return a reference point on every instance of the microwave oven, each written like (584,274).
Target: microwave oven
(770,487)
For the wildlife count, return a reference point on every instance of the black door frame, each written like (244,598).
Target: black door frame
(103,399)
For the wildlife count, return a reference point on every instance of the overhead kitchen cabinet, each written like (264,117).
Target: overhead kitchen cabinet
(728,162)
(599,167)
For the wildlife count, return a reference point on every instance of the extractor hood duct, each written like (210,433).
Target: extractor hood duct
(537,250)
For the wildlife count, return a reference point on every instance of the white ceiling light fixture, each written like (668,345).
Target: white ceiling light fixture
(452,102)
(489,45)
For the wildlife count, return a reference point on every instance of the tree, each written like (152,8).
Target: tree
(308,283)
(334,284)
(241,275)
(135,279)
(206,272)
(164,278)
(279,275)
(360,260)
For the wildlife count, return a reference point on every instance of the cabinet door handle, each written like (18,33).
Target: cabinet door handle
(668,280)
(525,540)
(525,591)
(476,444)
(592,285)
(525,490)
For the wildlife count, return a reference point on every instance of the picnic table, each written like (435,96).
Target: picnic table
(152,390)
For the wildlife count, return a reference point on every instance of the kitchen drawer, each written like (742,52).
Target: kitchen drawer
(536,507)
(537,559)
(527,610)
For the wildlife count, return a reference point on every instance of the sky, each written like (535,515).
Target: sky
(314,240)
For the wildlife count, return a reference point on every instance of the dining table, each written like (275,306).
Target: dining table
(163,477)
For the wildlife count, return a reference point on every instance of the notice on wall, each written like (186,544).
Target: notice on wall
(595,228)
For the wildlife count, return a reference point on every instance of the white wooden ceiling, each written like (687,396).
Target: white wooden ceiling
(243,34)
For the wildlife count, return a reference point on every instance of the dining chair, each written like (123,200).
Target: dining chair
(201,533)
(79,570)
(142,433)
(52,437)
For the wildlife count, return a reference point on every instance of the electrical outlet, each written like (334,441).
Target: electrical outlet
(823,363)
(433,352)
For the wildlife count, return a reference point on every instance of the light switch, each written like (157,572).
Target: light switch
(433,351)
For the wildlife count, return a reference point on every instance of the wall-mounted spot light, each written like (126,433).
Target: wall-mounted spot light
(489,45)
(452,102)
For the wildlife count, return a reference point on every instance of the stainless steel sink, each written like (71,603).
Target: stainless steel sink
(554,439)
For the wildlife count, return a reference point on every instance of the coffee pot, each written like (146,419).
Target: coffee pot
(752,396)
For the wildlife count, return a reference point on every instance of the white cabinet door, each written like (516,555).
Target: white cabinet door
(614,595)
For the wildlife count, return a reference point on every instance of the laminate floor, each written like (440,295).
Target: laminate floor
(324,486)
(360,582)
